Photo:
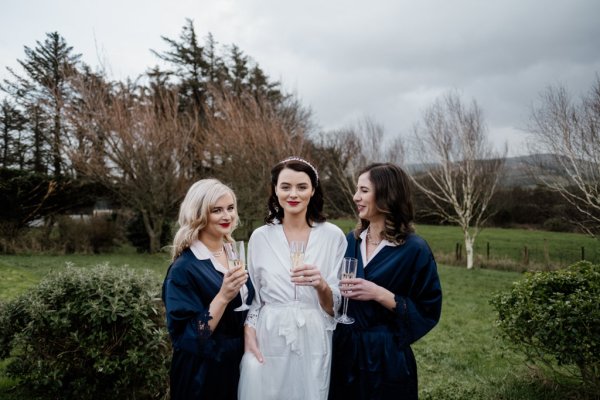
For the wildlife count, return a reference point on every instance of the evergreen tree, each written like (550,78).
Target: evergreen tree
(238,71)
(12,123)
(197,66)
(191,67)
(37,122)
(217,70)
(48,68)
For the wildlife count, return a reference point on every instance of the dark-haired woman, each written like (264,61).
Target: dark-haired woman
(395,299)
(288,342)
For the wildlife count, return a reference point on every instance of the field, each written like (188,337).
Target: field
(546,250)
(462,358)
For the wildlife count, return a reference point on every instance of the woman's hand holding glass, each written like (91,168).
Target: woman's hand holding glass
(360,289)
(307,275)
(236,274)
(233,281)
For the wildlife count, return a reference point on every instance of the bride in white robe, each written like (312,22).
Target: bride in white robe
(288,343)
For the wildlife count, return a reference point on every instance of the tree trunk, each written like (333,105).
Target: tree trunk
(153,226)
(154,242)
(469,249)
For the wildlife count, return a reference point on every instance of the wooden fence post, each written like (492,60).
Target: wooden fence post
(546,255)
(458,252)
(525,255)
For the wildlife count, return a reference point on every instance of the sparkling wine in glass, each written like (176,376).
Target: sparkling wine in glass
(297,249)
(236,258)
(348,271)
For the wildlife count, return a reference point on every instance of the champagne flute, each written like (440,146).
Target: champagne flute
(349,265)
(236,258)
(297,249)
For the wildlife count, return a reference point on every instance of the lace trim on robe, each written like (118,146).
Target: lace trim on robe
(337,302)
(204,330)
(252,317)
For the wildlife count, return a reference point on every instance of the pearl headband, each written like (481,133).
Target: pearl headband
(302,160)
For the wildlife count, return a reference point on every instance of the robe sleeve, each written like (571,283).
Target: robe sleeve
(187,315)
(417,313)
(256,305)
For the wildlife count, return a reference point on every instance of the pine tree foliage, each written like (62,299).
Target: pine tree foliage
(44,89)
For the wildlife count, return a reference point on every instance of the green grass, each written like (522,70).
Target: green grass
(546,249)
(462,358)
(19,272)
(543,246)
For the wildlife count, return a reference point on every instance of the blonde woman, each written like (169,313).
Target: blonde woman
(200,294)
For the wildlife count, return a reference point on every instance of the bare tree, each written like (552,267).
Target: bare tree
(245,136)
(461,170)
(145,147)
(344,152)
(567,133)
(44,88)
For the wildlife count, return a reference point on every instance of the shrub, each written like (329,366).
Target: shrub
(554,318)
(557,224)
(95,234)
(87,334)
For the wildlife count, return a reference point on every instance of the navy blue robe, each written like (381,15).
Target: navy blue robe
(205,364)
(372,358)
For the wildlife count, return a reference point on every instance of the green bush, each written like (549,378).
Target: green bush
(88,334)
(557,224)
(554,318)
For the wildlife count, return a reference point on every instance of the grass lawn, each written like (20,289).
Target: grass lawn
(460,359)
(506,246)
(21,271)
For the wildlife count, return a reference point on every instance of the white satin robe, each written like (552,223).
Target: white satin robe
(294,337)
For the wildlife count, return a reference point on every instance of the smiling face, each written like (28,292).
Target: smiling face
(364,198)
(222,217)
(294,191)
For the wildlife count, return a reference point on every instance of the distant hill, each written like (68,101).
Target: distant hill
(518,171)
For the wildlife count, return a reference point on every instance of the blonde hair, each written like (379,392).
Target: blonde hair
(194,211)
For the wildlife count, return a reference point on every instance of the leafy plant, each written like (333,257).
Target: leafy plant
(88,333)
(554,319)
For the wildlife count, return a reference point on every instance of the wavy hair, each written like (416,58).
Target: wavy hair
(314,211)
(194,211)
(393,198)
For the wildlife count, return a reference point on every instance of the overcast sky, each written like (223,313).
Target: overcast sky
(346,60)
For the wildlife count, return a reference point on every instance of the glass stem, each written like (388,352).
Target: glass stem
(345,305)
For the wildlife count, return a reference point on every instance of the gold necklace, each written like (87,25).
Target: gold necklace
(369,240)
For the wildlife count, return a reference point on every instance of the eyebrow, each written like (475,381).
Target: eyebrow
(217,207)
(291,184)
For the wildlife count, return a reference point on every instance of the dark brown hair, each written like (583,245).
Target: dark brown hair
(314,211)
(393,198)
